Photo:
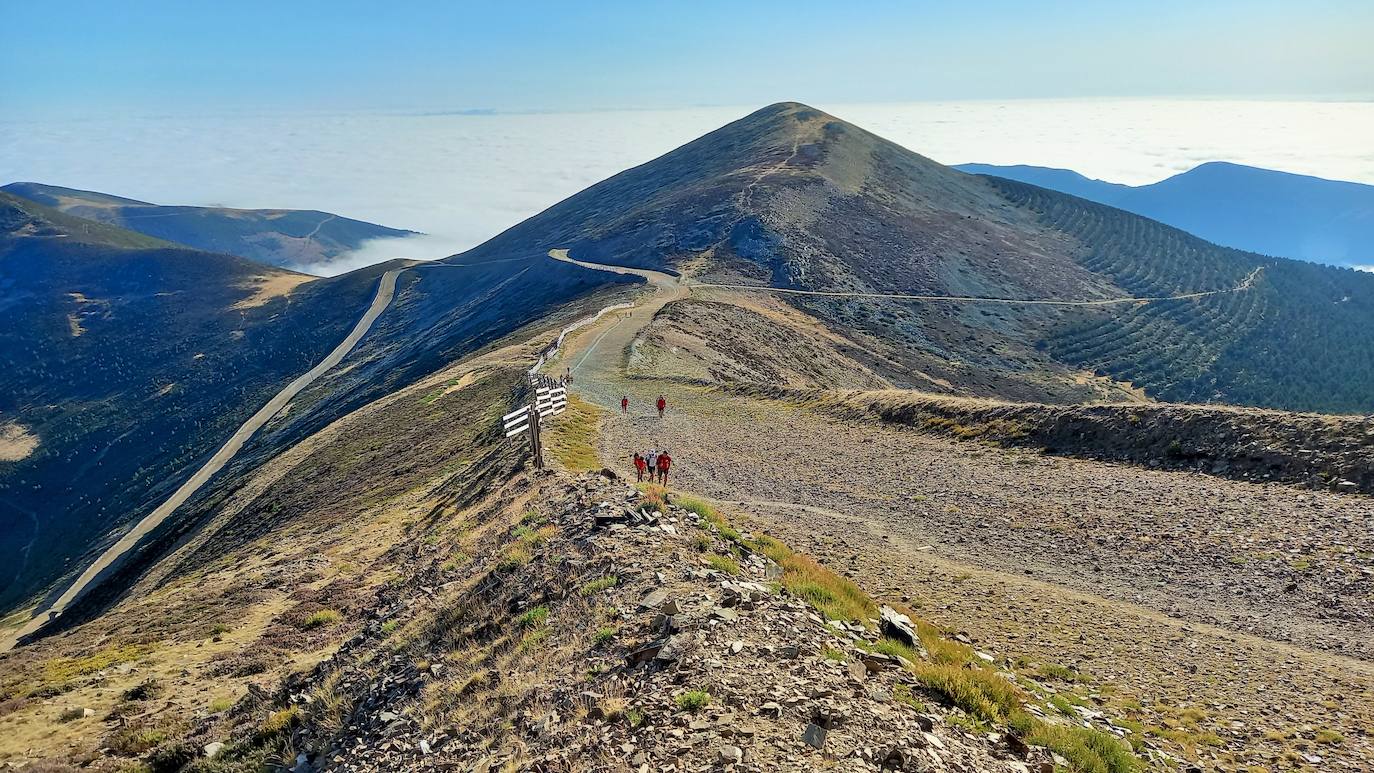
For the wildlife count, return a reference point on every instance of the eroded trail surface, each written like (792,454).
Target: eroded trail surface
(1249,603)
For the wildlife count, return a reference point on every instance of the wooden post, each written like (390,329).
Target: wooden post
(536,445)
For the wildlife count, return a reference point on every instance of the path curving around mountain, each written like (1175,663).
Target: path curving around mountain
(386,289)
(658,277)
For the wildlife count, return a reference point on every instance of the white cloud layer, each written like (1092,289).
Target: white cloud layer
(463,178)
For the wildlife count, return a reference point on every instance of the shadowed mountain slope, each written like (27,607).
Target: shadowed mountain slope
(130,361)
(279,237)
(1274,213)
(127,359)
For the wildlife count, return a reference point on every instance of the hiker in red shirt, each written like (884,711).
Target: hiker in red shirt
(625,404)
(640,466)
(661,405)
(664,462)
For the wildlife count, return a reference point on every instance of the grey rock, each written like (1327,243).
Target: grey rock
(898,626)
(814,735)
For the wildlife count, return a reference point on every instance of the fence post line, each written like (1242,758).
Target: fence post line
(536,446)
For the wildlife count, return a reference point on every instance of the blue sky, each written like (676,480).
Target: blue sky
(521,55)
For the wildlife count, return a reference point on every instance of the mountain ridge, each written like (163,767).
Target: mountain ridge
(1263,210)
(281,237)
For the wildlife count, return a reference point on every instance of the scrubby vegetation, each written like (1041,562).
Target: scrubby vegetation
(692,700)
(1237,347)
(950,669)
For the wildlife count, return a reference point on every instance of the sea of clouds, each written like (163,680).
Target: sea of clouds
(460,178)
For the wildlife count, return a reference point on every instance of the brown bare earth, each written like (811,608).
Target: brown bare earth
(269,286)
(16,442)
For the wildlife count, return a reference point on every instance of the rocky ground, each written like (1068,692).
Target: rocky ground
(1335,453)
(1249,602)
(618,632)
(1233,619)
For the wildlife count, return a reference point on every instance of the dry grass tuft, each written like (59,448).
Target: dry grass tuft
(571,437)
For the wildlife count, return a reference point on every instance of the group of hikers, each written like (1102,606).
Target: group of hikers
(655,463)
(661,404)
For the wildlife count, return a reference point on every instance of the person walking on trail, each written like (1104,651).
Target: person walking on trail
(625,405)
(651,459)
(662,403)
(665,462)
(640,466)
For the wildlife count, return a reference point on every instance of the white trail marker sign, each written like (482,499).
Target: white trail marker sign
(548,401)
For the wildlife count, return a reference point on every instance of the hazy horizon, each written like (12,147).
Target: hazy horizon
(462,178)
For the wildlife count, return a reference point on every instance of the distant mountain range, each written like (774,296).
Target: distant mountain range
(1272,213)
(291,238)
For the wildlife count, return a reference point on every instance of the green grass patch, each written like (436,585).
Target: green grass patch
(321,619)
(135,739)
(59,671)
(833,596)
(982,694)
(598,585)
(1330,737)
(889,646)
(534,639)
(516,556)
(693,700)
(533,618)
(571,436)
(723,563)
(281,721)
(830,653)
(1086,749)
(603,635)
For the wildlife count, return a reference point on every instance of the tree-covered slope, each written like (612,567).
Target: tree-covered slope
(1298,338)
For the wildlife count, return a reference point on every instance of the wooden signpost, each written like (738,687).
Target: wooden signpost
(548,401)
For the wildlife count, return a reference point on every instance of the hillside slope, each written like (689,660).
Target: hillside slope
(1269,212)
(279,237)
(133,360)
(790,197)
(126,359)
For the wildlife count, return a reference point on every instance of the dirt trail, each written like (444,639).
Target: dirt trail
(1245,284)
(386,288)
(1251,601)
